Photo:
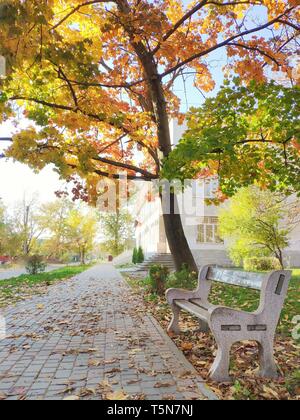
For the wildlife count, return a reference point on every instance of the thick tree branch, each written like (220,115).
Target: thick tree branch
(291,24)
(180,22)
(124,166)
(77,8)
(116,176)
(224,43)
(249,48)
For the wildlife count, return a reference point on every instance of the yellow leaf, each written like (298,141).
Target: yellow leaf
(72,398)
(118,395)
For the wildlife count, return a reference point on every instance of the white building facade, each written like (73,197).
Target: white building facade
(200,221)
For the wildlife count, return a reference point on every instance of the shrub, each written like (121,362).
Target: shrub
(158,275)
(35,265)
(140,255)
(134,256)
(261,264)
(184,279)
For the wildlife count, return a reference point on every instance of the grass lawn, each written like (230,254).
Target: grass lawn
(200,348)
(23,287)
(248,300)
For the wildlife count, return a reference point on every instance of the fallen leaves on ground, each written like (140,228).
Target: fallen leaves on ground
(200,349)
(118,395)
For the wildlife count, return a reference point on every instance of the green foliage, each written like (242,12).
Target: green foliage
(184,279)
(158,275)
(118,227)
(140,255)
(261,264)
(293,382)
(134,256)
(244,135)
(252,223)
(35,265)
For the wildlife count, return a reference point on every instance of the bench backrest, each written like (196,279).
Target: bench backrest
(236,278)
(273,287)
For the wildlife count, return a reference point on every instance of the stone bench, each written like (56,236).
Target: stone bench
(229,325)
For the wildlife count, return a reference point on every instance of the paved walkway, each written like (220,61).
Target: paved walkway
(89,337)
(6,274)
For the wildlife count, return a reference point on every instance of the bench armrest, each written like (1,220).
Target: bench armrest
(178,294)
(223,314)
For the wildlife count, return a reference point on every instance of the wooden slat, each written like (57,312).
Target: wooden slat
(193,309)
(237,278)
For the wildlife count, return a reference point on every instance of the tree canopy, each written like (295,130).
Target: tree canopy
(95,76)
(245,135)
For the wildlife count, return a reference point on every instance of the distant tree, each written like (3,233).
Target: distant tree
(54,219)
(3,230)
(140,255)
(134,256)
(118,230)
(25,228)
(257,223)
(81,231)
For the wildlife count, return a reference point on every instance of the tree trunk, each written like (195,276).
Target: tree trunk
(173,223)
(279,256)
(82,257)
(178,243)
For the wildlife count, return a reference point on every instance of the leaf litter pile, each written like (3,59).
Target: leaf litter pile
(200,348)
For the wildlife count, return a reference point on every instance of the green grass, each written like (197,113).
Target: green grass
(248,300)
(18,288)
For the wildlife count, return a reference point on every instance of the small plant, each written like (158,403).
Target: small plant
(158,275)
(140,255)
(35,265)
(293,383)
(134,256)
(261,264)
(184,279)
(240,392)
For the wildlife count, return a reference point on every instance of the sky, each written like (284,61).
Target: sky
(17,180)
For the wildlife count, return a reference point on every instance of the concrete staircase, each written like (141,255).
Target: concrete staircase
(157,259)
(141,270)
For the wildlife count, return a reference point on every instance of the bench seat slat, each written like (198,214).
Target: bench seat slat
(193,309)
(236,278)
(206,306)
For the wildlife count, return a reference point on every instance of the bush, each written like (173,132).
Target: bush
(134,256)
(184,279)
(140,255)
(261,264)
(158,275)
(35,265)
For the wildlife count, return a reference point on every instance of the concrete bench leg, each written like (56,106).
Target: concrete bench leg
(174,325)
(268,368)
(219,371)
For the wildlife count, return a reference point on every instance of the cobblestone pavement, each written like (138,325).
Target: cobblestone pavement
(90,338)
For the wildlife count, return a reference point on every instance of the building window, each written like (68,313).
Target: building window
(208,231)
